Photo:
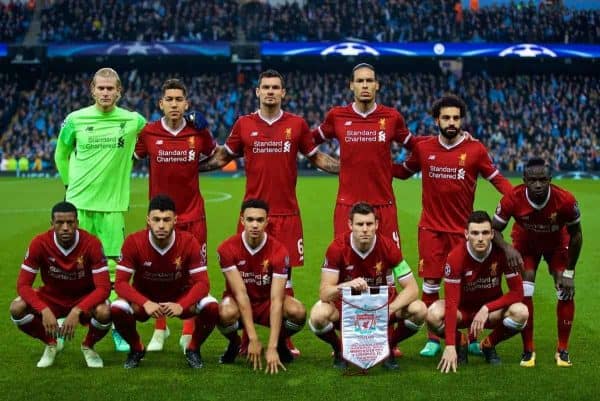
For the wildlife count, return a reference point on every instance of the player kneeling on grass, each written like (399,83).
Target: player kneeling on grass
(169,280)
(75,285)
(474,298)
(361,259)
(256,267)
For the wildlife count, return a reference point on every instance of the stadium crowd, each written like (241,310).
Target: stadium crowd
(76,20)
(15,17)
(517,117)
(371,20)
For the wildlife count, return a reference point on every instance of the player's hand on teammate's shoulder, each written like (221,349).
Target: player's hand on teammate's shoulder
(196,119)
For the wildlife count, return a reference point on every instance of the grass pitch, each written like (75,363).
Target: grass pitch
(165,375)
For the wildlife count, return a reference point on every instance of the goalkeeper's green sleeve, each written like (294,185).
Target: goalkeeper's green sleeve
(61,159)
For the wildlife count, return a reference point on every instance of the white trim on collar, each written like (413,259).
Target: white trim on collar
(253,251)
(535,205)
(270,121)
(360,113)
(174,132)
(480,260)
(67,251)
(358,252)
(164,250)
(461,140)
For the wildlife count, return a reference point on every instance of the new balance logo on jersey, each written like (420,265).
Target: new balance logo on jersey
(159,142)
(147,264)
(461,174)
(254,133)
(348,123)
(89,129)
(431,157)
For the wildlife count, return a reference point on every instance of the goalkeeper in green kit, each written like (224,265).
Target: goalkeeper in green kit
(94,159)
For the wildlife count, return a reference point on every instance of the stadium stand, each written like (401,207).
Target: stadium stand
(15,17)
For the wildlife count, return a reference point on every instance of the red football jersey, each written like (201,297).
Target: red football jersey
(174,274)
(449,175)
(270,149)
(174,156)
(375,265)
(365,151)
(542,225)
(256,266)
(77,276)
(470,283)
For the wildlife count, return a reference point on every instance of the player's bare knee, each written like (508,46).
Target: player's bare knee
(102,313)
(417,311)
(18,308)
(319,315)
(228,313)
(435,313)
(518,312)
(295,311)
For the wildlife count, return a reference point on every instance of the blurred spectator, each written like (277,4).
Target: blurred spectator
(15,17)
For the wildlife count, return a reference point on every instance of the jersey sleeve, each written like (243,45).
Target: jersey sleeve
(64,148)
(452,288)
(333,259)
(226,258)
(100,276)
(325,131)
(401,133)
(409,167)
(307,145)
(571,211)
(490,172)
(505,209)
(141,149)
(27,274)
(126,268)
(198,276)
(234,144)
(281,264)
(141,122)
(209,144)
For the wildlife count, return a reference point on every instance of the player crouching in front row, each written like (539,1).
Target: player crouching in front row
(360,259)
(169,280)
(474,299)
(75,285)
(256,267)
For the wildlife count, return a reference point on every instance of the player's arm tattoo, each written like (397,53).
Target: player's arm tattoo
(325,162)
(217,160)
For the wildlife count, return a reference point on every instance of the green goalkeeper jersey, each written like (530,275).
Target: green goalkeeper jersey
(94,157)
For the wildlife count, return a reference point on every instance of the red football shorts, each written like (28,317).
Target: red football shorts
(434,247)
(386,214)
(62,307)
(198,230)
(556,258)
(287,229)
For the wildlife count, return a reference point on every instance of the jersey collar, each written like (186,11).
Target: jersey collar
(448,147)
(270,121)
(358,252)
(360,113)
(254,251)
(535,205)
(64,251)
(174,132)
(164,250)
(478,259)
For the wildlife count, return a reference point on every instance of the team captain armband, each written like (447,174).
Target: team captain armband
(401,271)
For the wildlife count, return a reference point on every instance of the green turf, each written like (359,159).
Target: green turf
(165,376)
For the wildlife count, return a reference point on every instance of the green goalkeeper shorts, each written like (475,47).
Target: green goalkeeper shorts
(109,227)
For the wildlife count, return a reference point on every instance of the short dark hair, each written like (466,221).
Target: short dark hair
(363,208)
(448,101)
(161,202)
(536,162)
(255,204)
(270,73)
(174,83)
(63,207)
(479,216)
(362,65)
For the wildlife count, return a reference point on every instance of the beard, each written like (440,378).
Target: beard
(450,132)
